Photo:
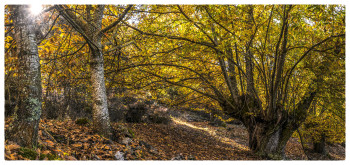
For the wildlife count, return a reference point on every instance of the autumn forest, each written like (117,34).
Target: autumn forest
(174,82)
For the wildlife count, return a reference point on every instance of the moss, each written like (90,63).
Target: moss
(35,104)
(42,156)
(275,156)
(28,153)
(132,133)
(40,146)
(53,157)
(82,121)
(49,157)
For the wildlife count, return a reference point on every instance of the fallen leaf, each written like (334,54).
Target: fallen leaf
(107,148)
(10,157)
(13,147)
(46,152)
(70,158)
(77,145)
(86,146)
(49,143)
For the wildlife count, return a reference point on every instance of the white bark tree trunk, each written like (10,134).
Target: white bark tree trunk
(24,129)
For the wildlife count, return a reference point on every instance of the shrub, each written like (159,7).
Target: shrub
(28,153)
(82,121)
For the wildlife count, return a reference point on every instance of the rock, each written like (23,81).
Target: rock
(95,157)
(191,157)
(178,157)
(142,143)
(126,141)
(135,112)
(159,117)
(70,158)
(119,155)
(149,147)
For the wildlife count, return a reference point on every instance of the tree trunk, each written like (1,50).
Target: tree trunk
(24,129)
(100,112)
(91,29)
(268,135)
(269,140)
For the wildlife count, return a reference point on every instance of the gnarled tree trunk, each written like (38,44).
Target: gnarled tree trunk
(269,134)
(24,129)
(268,139)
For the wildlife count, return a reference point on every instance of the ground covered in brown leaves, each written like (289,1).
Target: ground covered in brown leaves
(181,140)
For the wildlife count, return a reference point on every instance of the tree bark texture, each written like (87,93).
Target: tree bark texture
(100,108)
(24,129)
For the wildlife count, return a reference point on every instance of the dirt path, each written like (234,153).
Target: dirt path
(199,140)
(192,141)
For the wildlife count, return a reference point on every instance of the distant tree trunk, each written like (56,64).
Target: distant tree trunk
(24,129)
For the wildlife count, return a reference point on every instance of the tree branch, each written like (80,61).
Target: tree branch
(78,24)
(121,17)
(195,24)
(173,37)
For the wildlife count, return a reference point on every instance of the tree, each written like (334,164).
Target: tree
(24,129)
(90,28)
(247,58)
(326,120)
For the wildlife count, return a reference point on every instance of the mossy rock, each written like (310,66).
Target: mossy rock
(49,157)
(82,121)
(28,153)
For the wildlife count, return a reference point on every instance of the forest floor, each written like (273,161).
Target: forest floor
(180,140)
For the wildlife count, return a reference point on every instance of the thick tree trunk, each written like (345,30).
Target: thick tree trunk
(100,113)
(269,140)
(24,129)
(268,135)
